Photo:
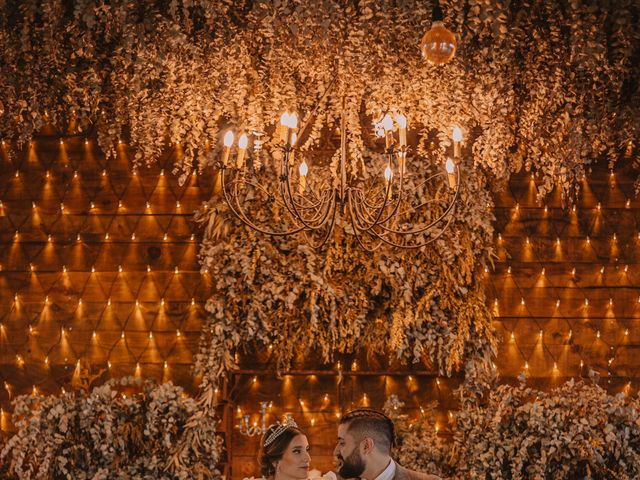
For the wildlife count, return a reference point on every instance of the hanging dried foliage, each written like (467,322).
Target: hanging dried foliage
(546,86)
(154,433)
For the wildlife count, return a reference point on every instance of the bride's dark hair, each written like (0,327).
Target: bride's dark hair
(273,452)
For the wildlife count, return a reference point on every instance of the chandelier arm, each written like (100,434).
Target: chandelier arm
(329,230)
(411,247)
(362,216)
(435,221)
(293,208)
(317,202)
(365,222)
(394,211)
(380,211)
(239,213)
(356,229)
(322,212)
(234,183)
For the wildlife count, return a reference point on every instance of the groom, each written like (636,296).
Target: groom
(365,438)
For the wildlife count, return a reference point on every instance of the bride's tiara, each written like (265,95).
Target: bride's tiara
(288,422)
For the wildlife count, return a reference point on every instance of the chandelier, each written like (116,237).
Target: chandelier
(391,206)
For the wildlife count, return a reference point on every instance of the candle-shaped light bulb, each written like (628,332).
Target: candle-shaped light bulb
(228,141)
(292,153)
(457,134)
(243,141)
(388,173)
(387,124)
(450,167)
(401,120)
(302,181)
(457,138)
(293,125)
(293,120)
(284,127)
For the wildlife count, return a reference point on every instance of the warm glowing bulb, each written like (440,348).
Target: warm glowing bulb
(284,119)
(388,173)
(449,165)
(303,169)
(401,120)
(439,44)
(228,139)
(457,134)
(243,141)
(293,120)
(387,123)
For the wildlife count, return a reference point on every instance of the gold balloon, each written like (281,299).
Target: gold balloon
(438,44)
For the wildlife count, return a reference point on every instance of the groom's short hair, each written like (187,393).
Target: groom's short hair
(367,422)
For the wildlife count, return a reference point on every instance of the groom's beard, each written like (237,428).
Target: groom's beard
(353,466)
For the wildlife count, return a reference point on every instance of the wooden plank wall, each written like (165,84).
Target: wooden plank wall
(99,275)
(88,246)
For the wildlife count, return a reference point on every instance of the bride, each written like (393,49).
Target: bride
(284,452)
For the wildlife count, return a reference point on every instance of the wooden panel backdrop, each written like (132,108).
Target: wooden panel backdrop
(99,278)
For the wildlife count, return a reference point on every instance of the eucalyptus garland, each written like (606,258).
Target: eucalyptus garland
(575,431)
(546,86)
(112,433)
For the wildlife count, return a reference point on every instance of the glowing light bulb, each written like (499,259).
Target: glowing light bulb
(303,169)
(457,134)
(387,123)
(439,44)
(228,139)
(388,173)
